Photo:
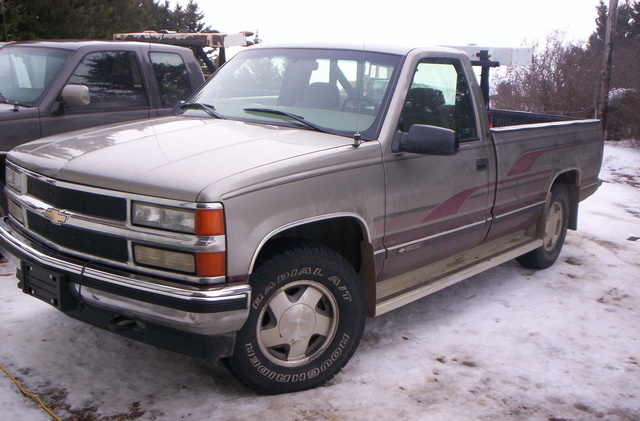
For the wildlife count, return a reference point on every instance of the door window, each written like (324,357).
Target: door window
(114,81)
(439,96)
(172,76)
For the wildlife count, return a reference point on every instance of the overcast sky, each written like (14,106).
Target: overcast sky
(508,23)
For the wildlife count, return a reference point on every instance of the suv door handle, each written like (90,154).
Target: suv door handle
(482,164)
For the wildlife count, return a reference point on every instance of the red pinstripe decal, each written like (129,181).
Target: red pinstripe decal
(453,204)
(528,159)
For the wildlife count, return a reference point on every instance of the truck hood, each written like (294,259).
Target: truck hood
(173,157)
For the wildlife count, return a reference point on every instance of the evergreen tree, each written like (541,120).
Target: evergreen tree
(193,18)
(596,40)
(95,19)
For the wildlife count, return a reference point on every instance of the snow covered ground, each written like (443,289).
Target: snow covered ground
(509,344)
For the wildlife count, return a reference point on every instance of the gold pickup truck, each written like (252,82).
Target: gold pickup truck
(301,190)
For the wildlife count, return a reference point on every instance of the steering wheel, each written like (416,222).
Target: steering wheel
(362,104)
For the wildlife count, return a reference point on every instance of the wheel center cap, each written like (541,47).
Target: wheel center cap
(297,323)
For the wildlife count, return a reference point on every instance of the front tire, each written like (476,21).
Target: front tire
(305,322)
(555,231)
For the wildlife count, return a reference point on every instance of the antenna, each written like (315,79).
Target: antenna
(4,22)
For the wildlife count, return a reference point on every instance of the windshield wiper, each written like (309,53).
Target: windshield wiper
(297,118)
(209,109)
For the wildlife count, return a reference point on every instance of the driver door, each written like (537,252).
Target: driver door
(437,206)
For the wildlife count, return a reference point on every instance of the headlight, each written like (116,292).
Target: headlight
(14,179)
(203,222)
(171,219)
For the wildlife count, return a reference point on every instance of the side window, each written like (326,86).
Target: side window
(113,79)
(172,76)
(439,96)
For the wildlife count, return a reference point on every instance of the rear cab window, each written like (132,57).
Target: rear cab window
(172,76)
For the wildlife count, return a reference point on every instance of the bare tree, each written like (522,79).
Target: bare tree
(565,77)
(551,84)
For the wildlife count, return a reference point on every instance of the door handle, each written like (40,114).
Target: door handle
(482,164)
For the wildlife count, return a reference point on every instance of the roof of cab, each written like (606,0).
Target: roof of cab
(78,44)
(378,48)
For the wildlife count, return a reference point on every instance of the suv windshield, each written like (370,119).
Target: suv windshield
(26,72)
(335,91)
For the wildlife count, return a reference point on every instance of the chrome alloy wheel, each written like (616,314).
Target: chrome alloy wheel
(553,227)
(298,322)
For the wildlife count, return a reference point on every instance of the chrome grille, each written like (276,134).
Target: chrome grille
(85,241)
(78,201)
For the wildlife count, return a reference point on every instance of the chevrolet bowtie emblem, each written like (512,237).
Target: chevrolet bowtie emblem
(55,216)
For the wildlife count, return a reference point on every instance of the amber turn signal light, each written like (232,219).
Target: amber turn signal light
(209,222)
(210,264)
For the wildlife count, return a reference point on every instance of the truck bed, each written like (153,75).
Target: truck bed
(502,118)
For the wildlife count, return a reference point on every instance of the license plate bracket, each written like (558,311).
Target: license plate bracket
(49,286)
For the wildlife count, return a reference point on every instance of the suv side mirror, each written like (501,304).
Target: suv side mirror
(77,95)
(426,140)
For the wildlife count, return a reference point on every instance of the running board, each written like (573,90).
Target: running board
(396,292)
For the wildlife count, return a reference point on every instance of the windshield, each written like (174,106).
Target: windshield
(26,72)
(336,91)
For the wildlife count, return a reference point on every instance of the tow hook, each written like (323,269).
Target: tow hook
(121,324)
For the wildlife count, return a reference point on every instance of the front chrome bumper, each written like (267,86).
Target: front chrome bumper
(216,311)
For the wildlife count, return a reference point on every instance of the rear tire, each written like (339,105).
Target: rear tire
(305,321)
(556,223)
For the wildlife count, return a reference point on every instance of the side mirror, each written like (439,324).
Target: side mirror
(426,140)
(77,95)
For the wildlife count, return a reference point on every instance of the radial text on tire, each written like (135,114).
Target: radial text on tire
(306,319)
